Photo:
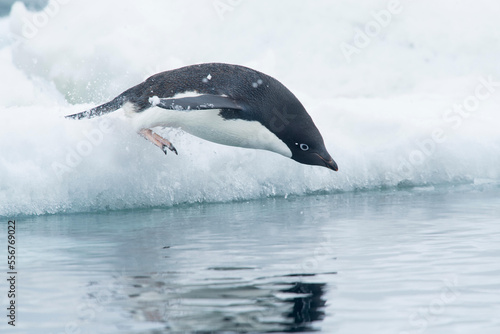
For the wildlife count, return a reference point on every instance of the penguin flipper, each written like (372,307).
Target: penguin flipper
(200,102)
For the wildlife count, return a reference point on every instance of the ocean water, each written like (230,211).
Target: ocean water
(114,236)
(414,261)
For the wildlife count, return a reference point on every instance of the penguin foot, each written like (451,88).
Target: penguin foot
(170,147)
(158,140)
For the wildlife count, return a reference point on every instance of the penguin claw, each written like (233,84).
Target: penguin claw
(170,147)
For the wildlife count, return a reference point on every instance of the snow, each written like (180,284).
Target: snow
(413,101)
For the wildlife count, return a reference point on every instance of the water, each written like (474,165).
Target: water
(405,261)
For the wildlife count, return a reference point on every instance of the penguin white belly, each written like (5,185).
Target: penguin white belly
(208,125)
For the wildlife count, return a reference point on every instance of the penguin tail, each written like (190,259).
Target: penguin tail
(105,108)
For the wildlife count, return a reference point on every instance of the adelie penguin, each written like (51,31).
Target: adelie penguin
(226,104)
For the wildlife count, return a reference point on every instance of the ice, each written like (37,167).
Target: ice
(417,106)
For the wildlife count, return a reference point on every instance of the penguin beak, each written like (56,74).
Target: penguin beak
(329,163)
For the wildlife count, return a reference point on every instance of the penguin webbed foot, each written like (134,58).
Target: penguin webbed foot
(158,140)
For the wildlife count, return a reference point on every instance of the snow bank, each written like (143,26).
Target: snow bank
(403,94)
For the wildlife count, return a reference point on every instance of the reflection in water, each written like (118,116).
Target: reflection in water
(265,305)
(308,307)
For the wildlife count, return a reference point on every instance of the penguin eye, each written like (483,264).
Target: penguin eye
(304,147)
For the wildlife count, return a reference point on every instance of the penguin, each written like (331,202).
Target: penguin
(222,103)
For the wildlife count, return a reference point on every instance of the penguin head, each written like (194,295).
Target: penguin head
(312,152)
(298,131)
